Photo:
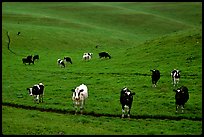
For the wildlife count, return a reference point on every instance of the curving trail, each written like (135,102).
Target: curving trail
(161,117)
(9,43)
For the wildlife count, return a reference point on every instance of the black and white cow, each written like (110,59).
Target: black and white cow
(175,74)
(61,63)
(28,59)
(155,77)
(87,56)
(126,99)
(68,59)
(37,91)
(181,97)
(80,94)
(104,55)
(35,57)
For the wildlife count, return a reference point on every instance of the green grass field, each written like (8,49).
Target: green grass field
(139,36)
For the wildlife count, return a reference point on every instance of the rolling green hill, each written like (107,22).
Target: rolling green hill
(139,36)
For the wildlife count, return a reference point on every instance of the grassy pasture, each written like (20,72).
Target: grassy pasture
(138,36)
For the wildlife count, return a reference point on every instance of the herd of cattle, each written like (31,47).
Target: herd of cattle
(80,93)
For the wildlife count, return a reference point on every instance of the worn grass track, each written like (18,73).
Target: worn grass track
(94,114)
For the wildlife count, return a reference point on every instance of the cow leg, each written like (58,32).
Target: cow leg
(177,108)
(34,98)
(75,110)
(38,98)
(75,106)
(153,83)
(82,107)
(81,110)
(182,108)
(41,98)
(177,81)
(123,111)
(128,113)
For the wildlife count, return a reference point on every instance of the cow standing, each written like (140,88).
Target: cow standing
(181,97)
(80,94)
(104,55)
(175,74)
(28,59)
(68,59)
(87,56)
(37,91)
(126,98)
(155,77)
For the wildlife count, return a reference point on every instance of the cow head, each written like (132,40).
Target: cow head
(176,73)
(30,91)
(181,90)
(177,90)
(77,93)
(90,54)
(126,93)
(152,70)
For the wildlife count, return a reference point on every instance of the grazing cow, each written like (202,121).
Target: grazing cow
(28,60)
(60,63)
(87,56)
(104,55)
(181,97)
(37,91)
(155,77)
(126,98)
(68,59)
(175,74)
(35,57)
(80,94)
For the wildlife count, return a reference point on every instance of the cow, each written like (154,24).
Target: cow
(28,60)
(60,62)
(35,57)
(175,74)
(155,77)
(181,97)
(87,56)
(68,59)
(37,91)
(104,55)
(126,99)
(80,94)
